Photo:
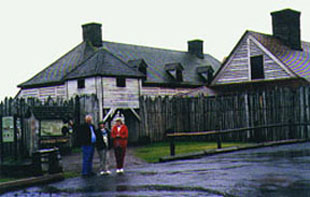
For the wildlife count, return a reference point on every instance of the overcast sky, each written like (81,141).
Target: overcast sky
(34,33)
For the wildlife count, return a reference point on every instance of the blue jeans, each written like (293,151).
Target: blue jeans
(88,154)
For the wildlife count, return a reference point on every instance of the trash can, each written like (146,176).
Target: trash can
(46,161)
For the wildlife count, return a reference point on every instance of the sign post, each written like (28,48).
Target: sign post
(7,129)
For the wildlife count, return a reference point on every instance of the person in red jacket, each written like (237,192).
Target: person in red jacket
(119,135)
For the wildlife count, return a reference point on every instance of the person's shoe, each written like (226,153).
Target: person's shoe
(121,171)
(107,172)
(118,171)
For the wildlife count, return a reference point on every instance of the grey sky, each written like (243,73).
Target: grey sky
(34,33)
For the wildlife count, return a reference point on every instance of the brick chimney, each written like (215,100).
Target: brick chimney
(195,47)
(286,26)
(92,33)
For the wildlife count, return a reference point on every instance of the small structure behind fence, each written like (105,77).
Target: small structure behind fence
(20,122)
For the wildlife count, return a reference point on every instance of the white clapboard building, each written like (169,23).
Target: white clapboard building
(120,73)
(262,60)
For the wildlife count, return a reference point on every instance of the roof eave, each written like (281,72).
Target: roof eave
(40,85)
(103,75)
(259,81)
(171,84)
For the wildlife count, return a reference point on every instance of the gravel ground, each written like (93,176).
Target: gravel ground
(73,161)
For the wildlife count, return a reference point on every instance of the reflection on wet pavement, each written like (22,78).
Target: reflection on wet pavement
(273,171)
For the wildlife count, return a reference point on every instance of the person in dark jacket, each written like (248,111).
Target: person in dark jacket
(103,146)
(87,138)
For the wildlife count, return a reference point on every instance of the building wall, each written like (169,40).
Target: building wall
(107,91)
(237,68)
(272,70)
(90,87)
(44,92)
(156,91)
(122,97)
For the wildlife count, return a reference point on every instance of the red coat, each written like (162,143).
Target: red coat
(120,137)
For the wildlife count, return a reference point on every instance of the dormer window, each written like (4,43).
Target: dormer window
(175,70)
(81,83)
(206,73)
(140,65)
(257,67)
(142,69)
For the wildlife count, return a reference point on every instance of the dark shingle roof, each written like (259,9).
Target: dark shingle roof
(103,63)
(156,59)
(113,59)
(297,61)
(56,72)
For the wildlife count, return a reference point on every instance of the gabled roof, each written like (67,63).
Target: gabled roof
(103,63)
(296,61)
(114,59)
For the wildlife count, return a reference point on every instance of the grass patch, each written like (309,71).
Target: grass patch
(7,179)
(152,152)
(71,174)
(76,150)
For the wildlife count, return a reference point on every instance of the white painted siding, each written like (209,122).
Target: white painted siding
(156,91)
(272,70)
(90,87)
(237,69)
(121,97)
(105,88)
(44,92)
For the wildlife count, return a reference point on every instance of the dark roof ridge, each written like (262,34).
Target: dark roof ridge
(143,46)
(270,35)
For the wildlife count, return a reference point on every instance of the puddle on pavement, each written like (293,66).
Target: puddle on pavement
(276,171)
(297,188)
(148,173)
(146,189)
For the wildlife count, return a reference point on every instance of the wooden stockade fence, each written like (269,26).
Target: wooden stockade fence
(19,148)
(19,109)
(243,110)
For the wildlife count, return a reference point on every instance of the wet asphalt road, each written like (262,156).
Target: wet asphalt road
(272,171)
